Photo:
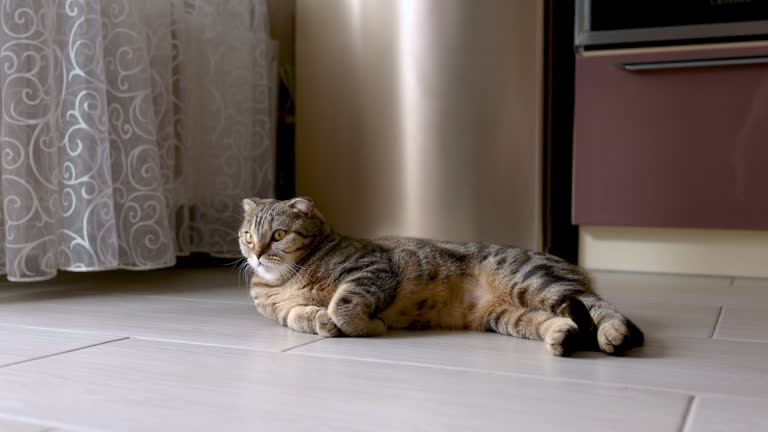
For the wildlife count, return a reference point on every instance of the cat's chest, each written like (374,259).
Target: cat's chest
(276,301)
(270,300)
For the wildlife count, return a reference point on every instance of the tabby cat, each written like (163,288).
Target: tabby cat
(313,280)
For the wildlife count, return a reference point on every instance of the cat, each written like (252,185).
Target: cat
(311,279)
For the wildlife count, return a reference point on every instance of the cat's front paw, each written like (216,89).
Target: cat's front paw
(324,325)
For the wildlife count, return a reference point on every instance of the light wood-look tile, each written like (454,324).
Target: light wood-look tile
(139,385)
(694,365)
(741,323)
(717,414)
(8,425)
(640,288)
(216,323)
(21,344)
(641,280)
(401,381)
(672,320)
(213,284)
(223,293)
(751,282)
(207,283)
(65,281)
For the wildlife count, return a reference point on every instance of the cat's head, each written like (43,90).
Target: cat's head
(276,235)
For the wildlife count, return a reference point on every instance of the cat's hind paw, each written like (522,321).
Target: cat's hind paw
(618,335)
(562,337)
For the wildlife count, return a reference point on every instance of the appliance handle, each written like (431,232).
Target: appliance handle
(697,63)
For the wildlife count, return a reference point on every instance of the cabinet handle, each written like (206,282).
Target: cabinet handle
(686,64)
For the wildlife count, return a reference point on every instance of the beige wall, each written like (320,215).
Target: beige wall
(422,117)
(669,250)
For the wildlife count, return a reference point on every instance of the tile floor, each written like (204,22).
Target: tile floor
(184,350)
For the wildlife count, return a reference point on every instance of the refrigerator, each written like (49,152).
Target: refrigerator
(423,117)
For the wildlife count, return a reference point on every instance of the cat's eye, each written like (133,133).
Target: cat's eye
(248,237)
(279,235)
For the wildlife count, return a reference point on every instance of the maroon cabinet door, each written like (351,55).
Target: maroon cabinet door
(672,138)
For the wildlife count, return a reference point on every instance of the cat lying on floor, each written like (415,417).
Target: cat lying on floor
(313,280)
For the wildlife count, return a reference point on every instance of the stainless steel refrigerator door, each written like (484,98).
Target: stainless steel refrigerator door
(422,117)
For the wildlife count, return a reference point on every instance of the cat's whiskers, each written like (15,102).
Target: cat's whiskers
(244,271)
(284,274)
(296,269)
(291,266)
(233,263)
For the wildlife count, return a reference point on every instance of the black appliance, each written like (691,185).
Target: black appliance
(603,23)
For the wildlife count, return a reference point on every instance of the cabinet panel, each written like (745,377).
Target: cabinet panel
(674,138)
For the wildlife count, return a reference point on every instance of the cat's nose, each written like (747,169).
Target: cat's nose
(258,253)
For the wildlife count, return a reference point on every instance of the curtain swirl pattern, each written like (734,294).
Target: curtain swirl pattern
(130,130)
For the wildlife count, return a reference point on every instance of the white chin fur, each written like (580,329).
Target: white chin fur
(267,272)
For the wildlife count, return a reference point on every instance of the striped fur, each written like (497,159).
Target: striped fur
(314,280)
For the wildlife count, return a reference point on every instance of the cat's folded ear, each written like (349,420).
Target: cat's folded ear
(253,205)
(306,206)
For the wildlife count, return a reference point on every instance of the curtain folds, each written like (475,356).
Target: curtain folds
(130,130)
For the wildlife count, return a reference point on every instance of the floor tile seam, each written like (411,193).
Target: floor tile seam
(757,341)
(66,330)
(215,345)
(32,359)
(244,302)
(543,377)
(133,336)
(717,322)
(158,339)
(685,424)
(531,376)
(302,345)
(659,274)
(47,426)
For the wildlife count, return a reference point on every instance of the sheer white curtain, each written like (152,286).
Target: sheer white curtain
(130,130)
